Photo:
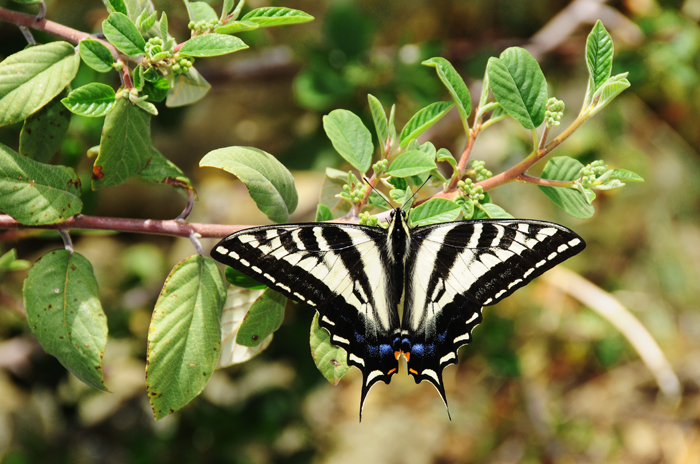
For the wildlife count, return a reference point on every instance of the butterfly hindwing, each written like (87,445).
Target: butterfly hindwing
(341,271)
(455,269)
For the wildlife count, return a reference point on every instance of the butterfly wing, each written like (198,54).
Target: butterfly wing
(455,269)
(339,270)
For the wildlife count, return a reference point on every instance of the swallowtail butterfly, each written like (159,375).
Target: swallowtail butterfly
(359,278)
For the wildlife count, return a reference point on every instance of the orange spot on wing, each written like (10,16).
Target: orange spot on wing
(391,371)
(407,355)
(397,354)
(413,371)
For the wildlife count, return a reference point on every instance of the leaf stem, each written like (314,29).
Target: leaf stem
(188,209)
(67,242)
(528,179)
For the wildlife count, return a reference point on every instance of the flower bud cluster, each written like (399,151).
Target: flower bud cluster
(590,173)
(469,191)
(479,171)
(554,112)
(367,219)
(181,65)
(380,166)
(355,194)
(201,27)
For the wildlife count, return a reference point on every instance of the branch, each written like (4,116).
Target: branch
(59,30)
(624,321)
(170,227)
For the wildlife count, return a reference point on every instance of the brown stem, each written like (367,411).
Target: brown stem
(59,30)
(464,158)
(144,226)
(520,168)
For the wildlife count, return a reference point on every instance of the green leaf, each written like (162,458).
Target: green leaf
(187,89)
(572,200)
(434,211)
(410,164)
(96,55)
(234,27)
(429,149)
(627,176)
(238,302)
(264,317)
(93,100)
(149,108)
(33,77)
(237,11)
(123,34)
(184,339)
(599,58)
(226,8)
(137,7)
(212,45)
(163,26)
(148,22)
(156,90)
(9,262)
(270,184)
(614,179)
(444,154)
(200,11)
(467,209)
(350,138)
(43,131)
(331,360)
(454,83)
(323,213)
(237,278)
(125,146)
(608,91)
(65,314)
(492,211)
(422,120)
(379,118)
(35,193)
(137,77)
(276,16)
(331,189)
(28,2)
(391,126)
(163,171)
(519,86)
(115,6)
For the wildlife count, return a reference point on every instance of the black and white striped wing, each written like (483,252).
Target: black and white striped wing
(455,269)
(339,270)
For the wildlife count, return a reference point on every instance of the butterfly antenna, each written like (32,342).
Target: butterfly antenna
(410,200)
(378,192)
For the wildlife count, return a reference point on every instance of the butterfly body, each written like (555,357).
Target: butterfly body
(383,294)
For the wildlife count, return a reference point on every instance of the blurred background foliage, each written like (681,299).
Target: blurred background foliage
(546,379)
